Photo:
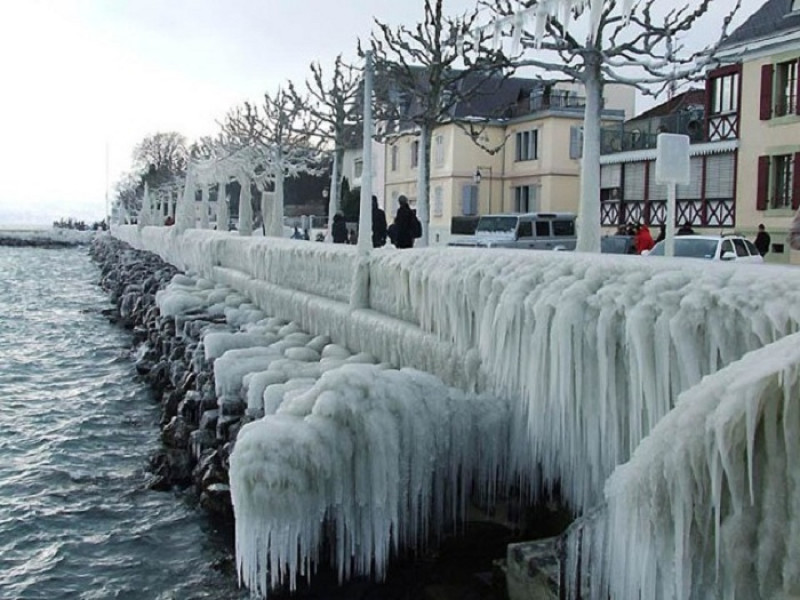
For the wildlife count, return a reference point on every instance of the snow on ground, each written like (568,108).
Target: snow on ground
(591,350)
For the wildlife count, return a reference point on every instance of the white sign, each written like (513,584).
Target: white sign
(672,159)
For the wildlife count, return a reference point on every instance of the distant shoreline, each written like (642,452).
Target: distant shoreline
(45,238)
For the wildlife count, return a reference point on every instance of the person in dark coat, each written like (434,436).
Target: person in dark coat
(378,224)
(339,229)
(404,223)
(662,233)
(762,240)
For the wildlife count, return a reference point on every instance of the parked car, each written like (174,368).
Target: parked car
(726,248)
(537,231)
(618,244)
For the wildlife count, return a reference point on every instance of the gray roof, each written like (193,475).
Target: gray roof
(773,18)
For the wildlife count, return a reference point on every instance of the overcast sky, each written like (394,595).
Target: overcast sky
(83,80)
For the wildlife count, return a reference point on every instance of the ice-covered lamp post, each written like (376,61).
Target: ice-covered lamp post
(672,168)
(359,295)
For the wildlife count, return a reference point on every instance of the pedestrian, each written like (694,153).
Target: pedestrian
(378,224)
(404,224)
(169,221)
(762,240)
(339,229)
(686,229)
(643,240)
(352,239)
(662,233)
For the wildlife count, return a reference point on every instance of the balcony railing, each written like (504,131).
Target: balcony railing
(643,136)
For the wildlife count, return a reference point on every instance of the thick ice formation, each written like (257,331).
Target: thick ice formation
(381,458)
(591,350)
(709,504)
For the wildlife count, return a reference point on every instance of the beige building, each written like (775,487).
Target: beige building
(765,59)
(528,160)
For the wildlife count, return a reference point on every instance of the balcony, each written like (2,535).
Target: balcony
(643,135)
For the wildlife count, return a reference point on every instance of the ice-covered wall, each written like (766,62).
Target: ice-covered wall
(709,504)
(593,349)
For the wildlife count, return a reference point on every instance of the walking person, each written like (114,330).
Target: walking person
(339,229)
(404,224)
(762,240)
(378,224)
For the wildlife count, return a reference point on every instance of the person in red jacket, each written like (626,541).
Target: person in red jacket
(643,240)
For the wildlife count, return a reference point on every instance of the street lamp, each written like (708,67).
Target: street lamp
(477,180)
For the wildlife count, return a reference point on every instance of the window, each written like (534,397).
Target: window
(542,228)
(469,200)
(782,176)
(786,88)
(438,154)
(741,249)
(564,227)
(727,246)
(525,230)
(394,158)
(527,145)
(526,198)
(438,201)
(725,94)
(414,154)
(576,141)
(358,168)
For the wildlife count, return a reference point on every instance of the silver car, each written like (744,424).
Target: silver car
(533,231)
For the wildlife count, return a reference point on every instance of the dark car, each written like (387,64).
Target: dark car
(617,244)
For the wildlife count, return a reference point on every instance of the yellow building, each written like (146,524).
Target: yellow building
(526,160)
(764,57)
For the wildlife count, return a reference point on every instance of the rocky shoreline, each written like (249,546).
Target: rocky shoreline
(198,432)
(174,367)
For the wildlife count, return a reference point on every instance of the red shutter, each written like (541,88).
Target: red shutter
(796,181)
(762,193)
(766,93)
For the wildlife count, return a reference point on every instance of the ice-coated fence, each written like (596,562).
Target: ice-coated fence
(591,350)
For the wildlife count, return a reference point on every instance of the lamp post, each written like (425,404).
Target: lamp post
(477,179)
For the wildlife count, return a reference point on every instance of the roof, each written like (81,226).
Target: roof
(773,18)
(675,104)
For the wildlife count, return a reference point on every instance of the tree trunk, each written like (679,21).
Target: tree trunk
(275,228)
(204,208)
(245,207)
(589,210)
(223,215)
(423,182)
(334,200)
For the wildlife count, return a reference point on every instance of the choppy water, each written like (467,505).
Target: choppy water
(76,431)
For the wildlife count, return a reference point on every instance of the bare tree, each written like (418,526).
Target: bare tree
(422,64)
(280,139)
(333,102)
(637,44)
(160,157)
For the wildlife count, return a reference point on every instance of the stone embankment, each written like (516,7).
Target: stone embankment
(196,445)
(198,431)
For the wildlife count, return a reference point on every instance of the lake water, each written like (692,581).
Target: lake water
(76,431)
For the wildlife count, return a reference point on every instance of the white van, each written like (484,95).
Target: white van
(535,231)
